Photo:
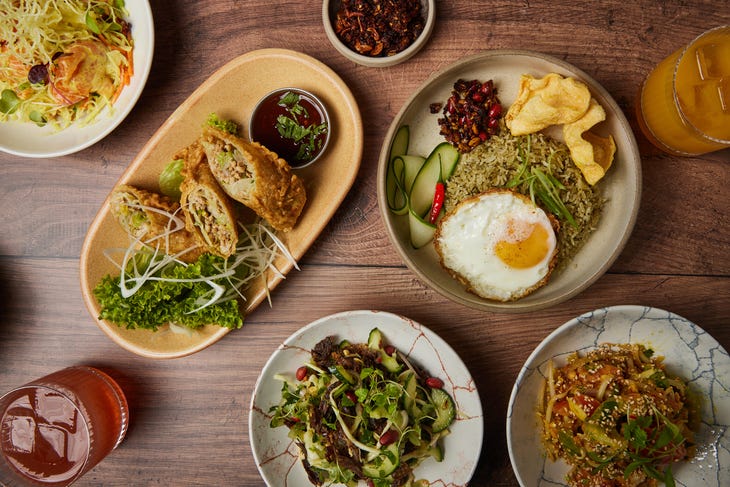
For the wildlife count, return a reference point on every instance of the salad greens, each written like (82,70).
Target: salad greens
(221,124)
(172,295)
(363,412)
(156,288)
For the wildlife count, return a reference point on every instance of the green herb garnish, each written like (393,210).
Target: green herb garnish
(541,185)
(653,440)
(307,137)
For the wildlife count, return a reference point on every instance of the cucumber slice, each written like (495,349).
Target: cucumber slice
(375,337)
(424,186)
(409,381)
(445,410)
(437,452)
(449,157)
(411,166)
(421,231)
(394,186)
(399,146)
(341,373)
(375,340)
(384,464)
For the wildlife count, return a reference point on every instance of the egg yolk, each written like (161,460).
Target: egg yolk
(525,245)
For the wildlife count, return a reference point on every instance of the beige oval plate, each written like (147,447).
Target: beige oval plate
(621,186)
(232,93)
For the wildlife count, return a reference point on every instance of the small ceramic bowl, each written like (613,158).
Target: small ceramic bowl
(264,126)
(329,11)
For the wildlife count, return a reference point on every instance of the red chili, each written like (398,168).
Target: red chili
(438,202)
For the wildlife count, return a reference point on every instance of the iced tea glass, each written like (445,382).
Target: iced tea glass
(55,429)
(684,104)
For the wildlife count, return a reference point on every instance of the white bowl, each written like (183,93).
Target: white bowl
(329,10)
(28,140)
(277,456)
(689,351)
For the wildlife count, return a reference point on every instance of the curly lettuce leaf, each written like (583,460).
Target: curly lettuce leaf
(159,302)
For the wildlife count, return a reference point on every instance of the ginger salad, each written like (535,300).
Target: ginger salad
(617,417)
(62,61)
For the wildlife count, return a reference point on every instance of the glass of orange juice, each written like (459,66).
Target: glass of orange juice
(684,104)
(55,429)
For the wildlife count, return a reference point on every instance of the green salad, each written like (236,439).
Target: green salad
(364,412)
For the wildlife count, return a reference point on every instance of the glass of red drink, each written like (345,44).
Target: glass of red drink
(56,428)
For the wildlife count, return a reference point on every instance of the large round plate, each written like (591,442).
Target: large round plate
(621,186)
(276,454)
(689,352)
(232,92)
(29,140)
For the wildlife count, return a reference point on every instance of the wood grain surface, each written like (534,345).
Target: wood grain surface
(189,416)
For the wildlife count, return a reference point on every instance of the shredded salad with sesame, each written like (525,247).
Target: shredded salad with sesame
(616,417)
(363,411)
(62,61)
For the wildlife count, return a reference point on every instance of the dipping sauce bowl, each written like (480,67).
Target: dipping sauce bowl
(292,122)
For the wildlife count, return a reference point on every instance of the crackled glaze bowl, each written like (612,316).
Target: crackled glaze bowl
(277,456)
(689,351)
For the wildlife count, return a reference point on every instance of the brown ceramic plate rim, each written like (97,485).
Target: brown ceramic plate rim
(623,179)
(232,92)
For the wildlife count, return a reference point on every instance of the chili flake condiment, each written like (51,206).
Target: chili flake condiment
(471,114)
(379,28)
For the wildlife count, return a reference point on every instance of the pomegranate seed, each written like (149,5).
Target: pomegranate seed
(483,136)
(493,123)
(389,349)
(388,437)
(434,383)
(301,373)
(477,97)
(495,111)
(351,396)
(486,88)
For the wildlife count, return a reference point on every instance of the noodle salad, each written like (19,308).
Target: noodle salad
(62,61)
(616,417)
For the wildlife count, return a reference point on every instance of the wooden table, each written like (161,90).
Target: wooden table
(189,415)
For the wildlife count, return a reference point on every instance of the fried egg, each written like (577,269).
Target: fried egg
(499,244)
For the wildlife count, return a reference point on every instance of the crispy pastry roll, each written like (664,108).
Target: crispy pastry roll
(256,177)
(150,217)
(209,212)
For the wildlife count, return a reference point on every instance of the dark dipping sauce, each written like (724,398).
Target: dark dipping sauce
(293,123)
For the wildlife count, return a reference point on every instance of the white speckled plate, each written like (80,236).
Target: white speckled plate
(276,454)
(689,352)
(621,186)
(29,140)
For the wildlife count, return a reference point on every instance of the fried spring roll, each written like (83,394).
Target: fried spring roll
(209,212)
(255,176)
(148,217)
